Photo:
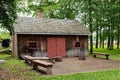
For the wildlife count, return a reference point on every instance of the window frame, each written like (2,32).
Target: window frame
(29,45)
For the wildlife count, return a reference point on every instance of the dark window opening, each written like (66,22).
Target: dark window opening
(33,45)
(6,43)
(77,44)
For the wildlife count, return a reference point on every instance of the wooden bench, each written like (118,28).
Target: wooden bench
(52,59)
(44,64)
(56,59)
(101,54)
(29,58)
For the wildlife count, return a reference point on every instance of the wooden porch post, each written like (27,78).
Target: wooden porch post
(14,45)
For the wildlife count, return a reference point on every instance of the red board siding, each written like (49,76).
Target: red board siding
(61,47)
(51,47)
(56,46)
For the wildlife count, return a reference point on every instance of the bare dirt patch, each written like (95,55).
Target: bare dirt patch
(74,65)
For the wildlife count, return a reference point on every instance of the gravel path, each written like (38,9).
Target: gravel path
(74,65)
(67,66)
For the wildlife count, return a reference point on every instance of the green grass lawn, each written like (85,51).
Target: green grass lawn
(100,75)
(24,72)
(114,54)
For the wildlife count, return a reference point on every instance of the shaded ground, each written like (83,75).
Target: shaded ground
(15,73)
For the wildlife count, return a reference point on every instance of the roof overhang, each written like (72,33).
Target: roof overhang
(27,33)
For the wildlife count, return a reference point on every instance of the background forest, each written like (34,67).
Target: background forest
(101,17)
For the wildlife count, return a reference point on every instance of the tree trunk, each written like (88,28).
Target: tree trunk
(90,26)
(100,37)
(118,42)
(91,40)
(85,20)
(103,44)
(97,36)
(111,43)
(108,44)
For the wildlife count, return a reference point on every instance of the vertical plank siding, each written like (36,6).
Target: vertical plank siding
(46,45)
(71,50)
(42,44)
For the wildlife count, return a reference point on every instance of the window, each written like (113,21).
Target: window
(77,44)
(32,45)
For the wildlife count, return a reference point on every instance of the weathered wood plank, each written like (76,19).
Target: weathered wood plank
(44,64)
(100,54)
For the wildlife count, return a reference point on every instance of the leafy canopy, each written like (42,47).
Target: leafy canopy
(7,14)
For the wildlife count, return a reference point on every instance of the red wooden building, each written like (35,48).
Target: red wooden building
(49,37)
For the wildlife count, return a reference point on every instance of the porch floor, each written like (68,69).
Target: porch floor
(74,65)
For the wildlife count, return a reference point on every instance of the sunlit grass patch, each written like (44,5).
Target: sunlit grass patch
(114,54)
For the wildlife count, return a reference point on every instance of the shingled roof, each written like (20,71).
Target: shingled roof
(28,25)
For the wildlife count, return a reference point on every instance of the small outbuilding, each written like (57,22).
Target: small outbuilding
(6,43)
(43,37)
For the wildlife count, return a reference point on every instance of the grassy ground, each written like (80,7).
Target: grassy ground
(114,54)
(101,75)
(17,70)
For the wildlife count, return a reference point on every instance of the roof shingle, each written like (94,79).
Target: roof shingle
(49,26)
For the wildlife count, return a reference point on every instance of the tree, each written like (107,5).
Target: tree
(52,8)
(87,8)
(100,16)
(90,25)
(7,14)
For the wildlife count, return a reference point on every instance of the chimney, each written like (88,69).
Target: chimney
(40,15)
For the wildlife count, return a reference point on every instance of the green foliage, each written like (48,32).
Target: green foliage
(100,16)
(5,35)
(7,14)
(51,8)
(105,18)
(4,56)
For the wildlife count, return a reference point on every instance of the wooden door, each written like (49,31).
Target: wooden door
(60,46)
(51,46)
(56,46)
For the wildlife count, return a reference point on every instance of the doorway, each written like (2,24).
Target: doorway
(56,46)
